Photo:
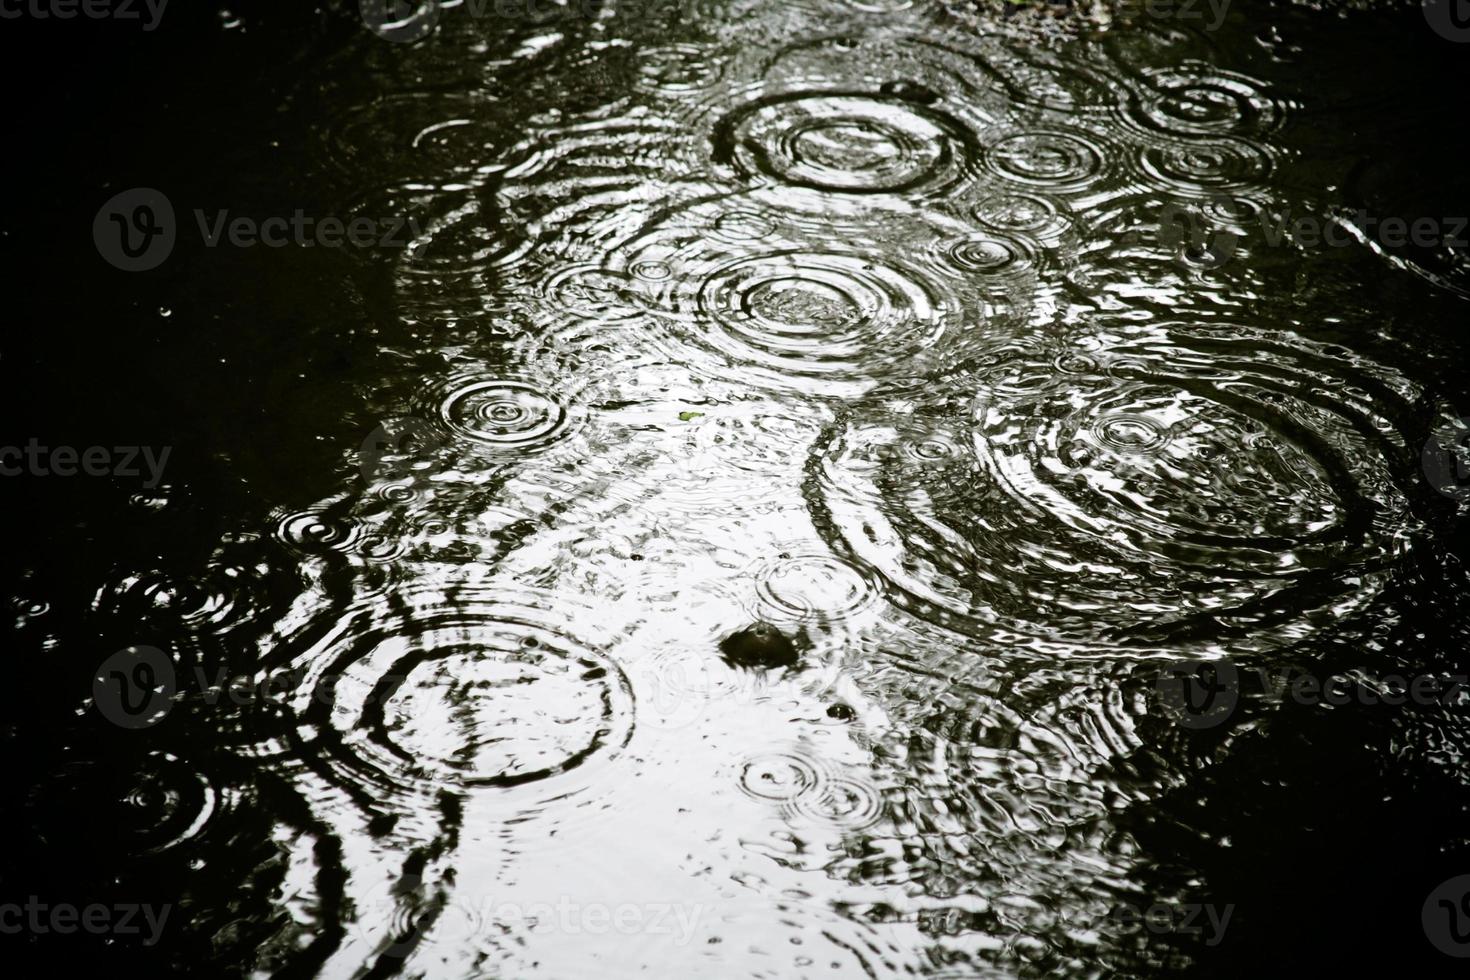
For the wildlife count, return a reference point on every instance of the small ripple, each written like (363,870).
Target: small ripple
(1059,162)
(430,231)
(820,587)
(781,777)
(676,69)
(416,134)
(159,805)
(990,254)
(313,532)
(504,415)
(846,143)
(843,802)
(1036,76)
(1198,99)
(1208,166)
(805,314)
(743,225)
(1023,214)
(593,293)
(222,598)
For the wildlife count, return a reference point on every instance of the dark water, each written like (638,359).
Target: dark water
(1008,366)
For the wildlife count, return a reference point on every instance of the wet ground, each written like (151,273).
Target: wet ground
(819,489)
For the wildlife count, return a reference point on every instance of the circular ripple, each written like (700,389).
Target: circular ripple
(819,313)
(312,532)
(1203,483)
(676,69)
(1023,214)
(743,225)
(651,271)
(812,587)
(416,133)
(432,231)
(843,802)
(1055,161)
(988,254)
(1033,75)
(847,143)
(505,415)
(422,691)
(781,777)
(1197,99)
(157,806)
(1130,432)
(593,293)
(225,596)
(1218,163)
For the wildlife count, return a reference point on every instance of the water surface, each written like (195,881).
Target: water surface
(965,349)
